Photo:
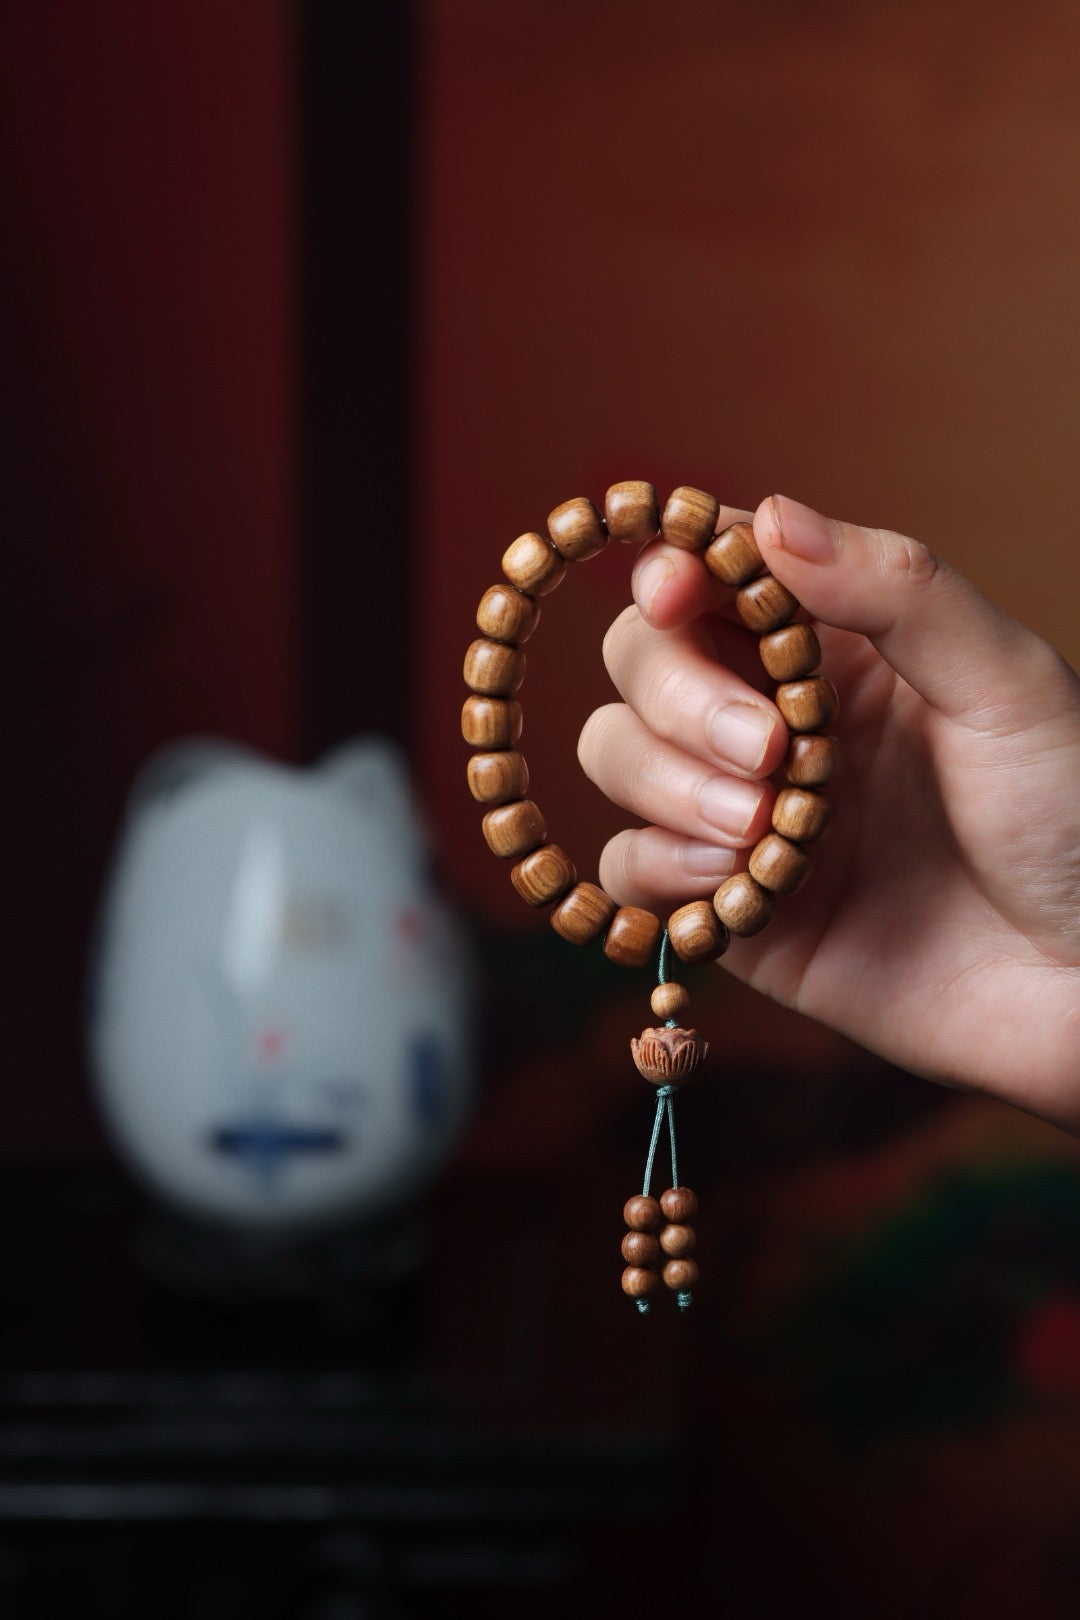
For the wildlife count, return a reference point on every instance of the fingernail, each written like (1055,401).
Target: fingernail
(804,532)
(728,804)
(650,579)
(706,860)
(739,733)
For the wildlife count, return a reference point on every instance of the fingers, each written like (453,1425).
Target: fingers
(654,867)
(671,587)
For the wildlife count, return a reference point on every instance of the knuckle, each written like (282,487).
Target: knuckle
(909,561)
(594,736)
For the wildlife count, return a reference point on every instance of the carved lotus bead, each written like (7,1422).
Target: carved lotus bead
(668,1056)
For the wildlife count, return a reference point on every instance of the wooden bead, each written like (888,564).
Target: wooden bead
(790,653)
(497,778)
(577,529)
(638,1281)
(493,669)
(800,815)
(514,829)
(811,760)
(743,906)
(632,937)
(544,875)
(669,1000)
(696,933)
(689,519)
(641,1249)
(507,614)
(584,914)
(765,604)
(642,1213)
(680,1275)
(779,866)
(734,556)
(808,705)
(532,565)
(632,512)
(491,722)
(677,1241)
(679,1203)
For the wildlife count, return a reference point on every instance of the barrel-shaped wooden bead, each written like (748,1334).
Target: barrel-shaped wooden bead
(638,1281)
(779,865)
(577,529)
(583,914)
(743,906)
(514,829)
(680,1275)
(790,653)
(670,1000)
(633,936)
(679,1203)
(800,815)
(808,705)
(689,519)
(544,875)
(497,778)
(494,670)
(811,760)
(734,556)
(507,614)
(533,565)
(642,1213)
(491,722)
(677,1240)
(641,1249)
(765,604)
(696,933)
(632,512)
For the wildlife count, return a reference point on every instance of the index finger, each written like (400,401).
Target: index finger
(672,586)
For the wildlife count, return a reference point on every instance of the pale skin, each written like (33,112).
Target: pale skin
(941,924)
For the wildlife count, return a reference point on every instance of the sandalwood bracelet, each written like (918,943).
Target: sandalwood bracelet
(543,874)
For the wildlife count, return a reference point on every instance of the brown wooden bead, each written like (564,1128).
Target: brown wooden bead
(765,604)
(790,653)
(677,1241)
(669,1000)
(689,519)
(680,1275)
(532,565)
(632,937)
(800,815)
(577,529)
(507,614)
(642,1213)
(514,829)
(679,1203)
(544,875)
(639,1281)
(696,933)
(641,1249)
(584,914)
(808,705)
(811,760)
(493,669)
(743,906)
(779,866)
(734,556)
(497,778)
(632,512)
(491,722)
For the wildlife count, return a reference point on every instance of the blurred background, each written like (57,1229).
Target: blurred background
(309,309)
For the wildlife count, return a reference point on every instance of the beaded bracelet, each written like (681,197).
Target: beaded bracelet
(543,873)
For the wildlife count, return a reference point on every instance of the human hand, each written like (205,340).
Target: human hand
(941,924)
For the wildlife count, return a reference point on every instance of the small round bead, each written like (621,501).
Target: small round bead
(678,1241)
(734,556)
(498,778)
(743,906)
(514,829)
(765,604)
(669,1000)
(640,1249)
(679,1203)
(680,1275)
(631,512)
(638,1281)
(808,705)
(642,1213)
(800,815)
(632,937)
(577,529)
(491,722)
(790,653)
(689,519)
(507,614)
(811,760)
(532,565)
(779,866)
(584,914)
(493,669)
(696,933)
(543,876)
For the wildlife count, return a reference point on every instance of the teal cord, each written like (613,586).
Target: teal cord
(665,1105)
